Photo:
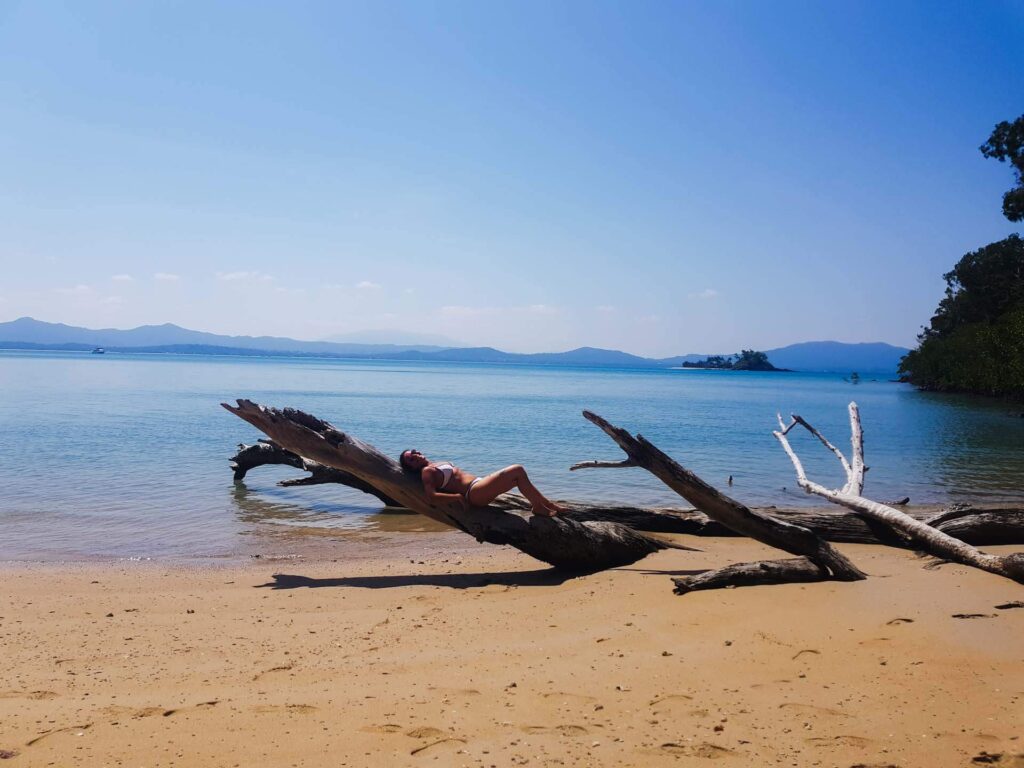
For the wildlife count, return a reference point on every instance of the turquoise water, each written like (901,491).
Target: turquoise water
(126,455)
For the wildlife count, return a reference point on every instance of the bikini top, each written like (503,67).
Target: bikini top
(447,470)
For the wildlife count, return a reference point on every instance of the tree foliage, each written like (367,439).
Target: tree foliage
(1006,144)
(975,342)
(749,360)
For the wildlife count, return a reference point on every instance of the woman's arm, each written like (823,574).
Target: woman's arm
(429,477)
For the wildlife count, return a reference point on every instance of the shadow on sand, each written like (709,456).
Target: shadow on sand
(544,577)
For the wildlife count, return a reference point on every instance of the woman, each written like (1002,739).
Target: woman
(445,481)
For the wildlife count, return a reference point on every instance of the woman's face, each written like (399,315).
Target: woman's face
(414,459)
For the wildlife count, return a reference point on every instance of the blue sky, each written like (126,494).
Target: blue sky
(656,177)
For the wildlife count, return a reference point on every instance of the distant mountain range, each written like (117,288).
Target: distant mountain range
(28,333)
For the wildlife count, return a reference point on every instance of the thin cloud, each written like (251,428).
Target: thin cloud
(166,277)
(123,279)
(605,309)
(458,310)
(245,277)
(539,309)
(707,293)
(76,290)
(367,285)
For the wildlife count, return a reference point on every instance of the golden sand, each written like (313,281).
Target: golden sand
(472,655)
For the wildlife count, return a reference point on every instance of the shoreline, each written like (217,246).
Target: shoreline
(478,655)
(392,534)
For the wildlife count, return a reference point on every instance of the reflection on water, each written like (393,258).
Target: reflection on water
(969,454)
(255,512)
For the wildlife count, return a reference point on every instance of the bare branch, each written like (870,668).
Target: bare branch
(824,441)
(929,539)
(855,483)
(785,536)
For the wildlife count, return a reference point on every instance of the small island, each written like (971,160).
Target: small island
(746,360)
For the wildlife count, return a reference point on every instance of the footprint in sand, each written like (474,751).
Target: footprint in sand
(704,749)
(811,709)
(34,695)
(564,730)
(675,705)
(846,740)
(567,697)
(425,732)
(385,728)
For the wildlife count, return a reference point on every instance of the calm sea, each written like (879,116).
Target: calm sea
(127,455)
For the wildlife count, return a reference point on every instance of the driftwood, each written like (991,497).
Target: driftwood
(268,452)
(559,541)
(922,535)
(818,561)
(798,569)
(978,526)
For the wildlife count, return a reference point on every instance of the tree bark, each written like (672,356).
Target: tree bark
(798,569)
(561,542)
(926,537)
(268,452)
(979,526)
(788,537)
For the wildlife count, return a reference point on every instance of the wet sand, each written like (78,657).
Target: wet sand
(437,651)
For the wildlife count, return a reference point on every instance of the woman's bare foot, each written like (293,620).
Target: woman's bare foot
(543,511)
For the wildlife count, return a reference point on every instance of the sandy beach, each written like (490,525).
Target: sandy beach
(444,652)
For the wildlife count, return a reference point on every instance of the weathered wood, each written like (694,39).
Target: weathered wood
(559,541)
(978,526)
(926,537)
(798,569)
(985,527)
(788,537)
(268,452)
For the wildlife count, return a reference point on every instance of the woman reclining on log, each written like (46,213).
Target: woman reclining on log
(446,481)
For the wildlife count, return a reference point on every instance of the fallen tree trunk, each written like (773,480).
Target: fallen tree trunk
(559,541)
(795,570)
(922,535)
(978,526)
(268,452)
(788,537)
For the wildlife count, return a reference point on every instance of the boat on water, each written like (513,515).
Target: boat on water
(99,351)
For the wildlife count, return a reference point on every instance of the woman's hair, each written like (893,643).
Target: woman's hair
(401,461)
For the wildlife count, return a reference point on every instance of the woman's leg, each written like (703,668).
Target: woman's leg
(487,489)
